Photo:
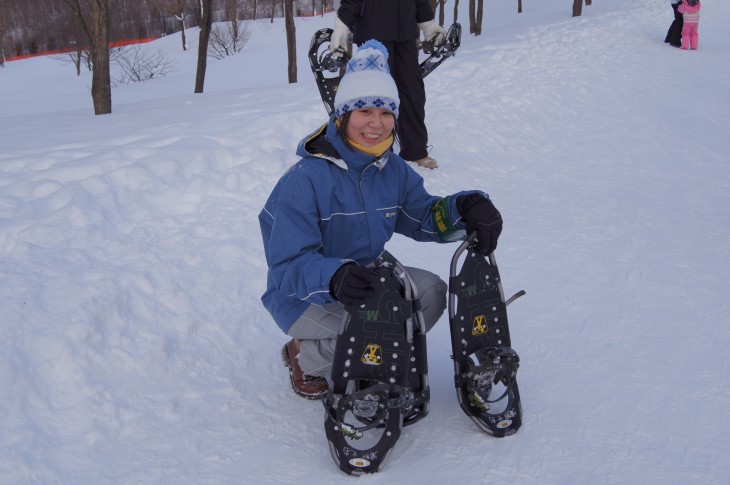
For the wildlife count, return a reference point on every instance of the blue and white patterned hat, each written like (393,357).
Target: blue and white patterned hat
(367,82)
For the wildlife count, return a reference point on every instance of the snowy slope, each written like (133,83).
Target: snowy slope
(133,345)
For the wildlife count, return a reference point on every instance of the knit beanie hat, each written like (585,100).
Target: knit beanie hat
(367,82)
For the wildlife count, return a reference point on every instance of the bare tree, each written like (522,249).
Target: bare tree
(442,12)
(93,15)
(456,10)
(577,8)
(138,64)
(273,10)
(76,57)
(206,20)
(519,6)
(180,12)
(291,39)
(226,40)
(476,13)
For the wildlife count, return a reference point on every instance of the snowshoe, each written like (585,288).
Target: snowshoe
(438,53)
(379,381)
(485,365)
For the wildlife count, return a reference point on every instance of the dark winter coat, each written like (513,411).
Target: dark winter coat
(337,205)
(384,20)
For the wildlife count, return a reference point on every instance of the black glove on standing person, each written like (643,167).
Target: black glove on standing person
(480,215)
(352,284)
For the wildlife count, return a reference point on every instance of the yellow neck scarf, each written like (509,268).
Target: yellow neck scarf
(375,150)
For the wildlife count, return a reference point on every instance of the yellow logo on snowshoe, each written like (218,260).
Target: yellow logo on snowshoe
(373,355)
(480,325)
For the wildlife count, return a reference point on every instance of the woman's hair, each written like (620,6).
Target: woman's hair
(342,129)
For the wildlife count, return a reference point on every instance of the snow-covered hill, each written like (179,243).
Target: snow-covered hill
(133,345)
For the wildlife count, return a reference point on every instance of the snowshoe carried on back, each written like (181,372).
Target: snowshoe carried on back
(485,365)
(379,379)
(438,53)
(327,66)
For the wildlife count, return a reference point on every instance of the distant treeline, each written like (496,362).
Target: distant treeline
(38,26)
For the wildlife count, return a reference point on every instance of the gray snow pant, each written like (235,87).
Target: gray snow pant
(318,326)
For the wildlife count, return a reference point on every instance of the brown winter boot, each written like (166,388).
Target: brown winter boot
(309,387)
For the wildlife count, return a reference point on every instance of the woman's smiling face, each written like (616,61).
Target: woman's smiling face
(370,126)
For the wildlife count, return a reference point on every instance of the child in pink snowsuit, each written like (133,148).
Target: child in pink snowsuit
(690,10)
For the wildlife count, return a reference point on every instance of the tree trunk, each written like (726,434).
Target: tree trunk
(519,6)
(93,17)
(478,14)
(182,31)
(205,23)
(472,16)
(588,2)
(456,10)
(291,39)
(577,7)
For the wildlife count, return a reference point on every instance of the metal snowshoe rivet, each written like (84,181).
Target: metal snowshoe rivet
(392,367)
(463,283)
(395,344)
(345,374)
(382,279)
(496,319)
(392,380)
(352,339)
(494,308)
(395,356)
(395,308)
(347,363)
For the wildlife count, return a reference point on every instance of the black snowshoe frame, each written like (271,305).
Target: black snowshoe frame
(328,66)
(481,344)
(379,379)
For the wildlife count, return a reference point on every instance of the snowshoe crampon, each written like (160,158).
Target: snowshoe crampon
(379,380)
(485,365)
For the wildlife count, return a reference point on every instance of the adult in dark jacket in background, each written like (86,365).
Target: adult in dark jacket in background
(674,34)
(396,24)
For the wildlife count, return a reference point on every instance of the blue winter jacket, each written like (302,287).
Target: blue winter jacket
(338,205)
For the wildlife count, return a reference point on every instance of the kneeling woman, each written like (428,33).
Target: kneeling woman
(331,214)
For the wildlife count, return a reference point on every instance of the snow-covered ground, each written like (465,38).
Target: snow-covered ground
(133,345)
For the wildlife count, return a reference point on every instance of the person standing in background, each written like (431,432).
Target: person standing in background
(396,24)
(690,10)
(674,34)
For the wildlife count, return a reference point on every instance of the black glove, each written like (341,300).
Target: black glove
(480,215)
(352,284)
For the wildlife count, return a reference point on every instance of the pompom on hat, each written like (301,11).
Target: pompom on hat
(367,82)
